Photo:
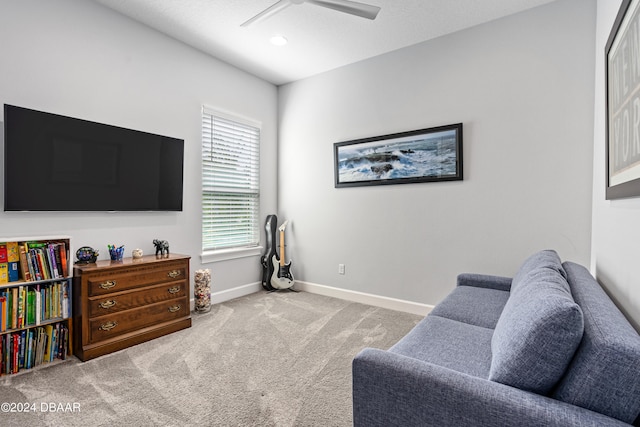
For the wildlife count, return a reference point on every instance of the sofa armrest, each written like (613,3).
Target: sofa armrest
(394,390)
(484,281)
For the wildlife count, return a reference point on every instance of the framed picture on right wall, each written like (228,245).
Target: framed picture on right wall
(623,103)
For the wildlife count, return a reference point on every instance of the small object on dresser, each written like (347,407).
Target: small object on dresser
(86,255)
(136,253)
(162,247)
(116,253)
(202,291)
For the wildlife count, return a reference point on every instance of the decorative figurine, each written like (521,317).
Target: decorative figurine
(162,247)
(86,255)
(136,253)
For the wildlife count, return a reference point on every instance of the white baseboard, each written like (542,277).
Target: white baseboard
(314,288)
(229,294)
(364,298)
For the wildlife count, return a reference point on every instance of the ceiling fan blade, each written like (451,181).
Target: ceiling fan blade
(347,6)
(271,10)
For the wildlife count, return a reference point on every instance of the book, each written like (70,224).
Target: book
(65,300)
(13,271)
(3,313)
(34,265)
(24,264)
(46,302)
(7,353)
(22,348)
(50,251)
(13,254)
(14,308)
(38,305)
(21,307)
(15,353)
(40,339)
(4,272)
(29,359)
(49,340)
(63,259)
(42,263)
(31,307)
(58,260)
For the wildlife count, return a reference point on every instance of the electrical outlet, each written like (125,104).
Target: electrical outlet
(340,268)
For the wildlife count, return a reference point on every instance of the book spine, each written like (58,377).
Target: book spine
(21,305)
(42,263)
(16,350)
(14,308)
(65,301)
(33,263)
(38,305)
(31,307)
(58,259)
(63,259)
(3,313)
(23,348)
(53,266)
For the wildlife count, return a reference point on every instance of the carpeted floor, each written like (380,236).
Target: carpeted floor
(279,359)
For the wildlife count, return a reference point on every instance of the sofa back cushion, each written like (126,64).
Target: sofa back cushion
(539,329)
(546,259)
(604,375)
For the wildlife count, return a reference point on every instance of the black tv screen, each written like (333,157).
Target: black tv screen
(58,163)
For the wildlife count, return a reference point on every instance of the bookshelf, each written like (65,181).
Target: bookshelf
(35,301)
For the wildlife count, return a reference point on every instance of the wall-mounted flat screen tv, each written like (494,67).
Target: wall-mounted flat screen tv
(59,163)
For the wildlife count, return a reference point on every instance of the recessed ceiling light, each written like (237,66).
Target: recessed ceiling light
(278,40)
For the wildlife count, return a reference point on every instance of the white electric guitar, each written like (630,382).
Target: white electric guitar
(282,278)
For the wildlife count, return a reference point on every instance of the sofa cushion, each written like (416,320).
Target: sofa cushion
(547,259)
(604,375)
(473,305)
(449,343)
(537,333)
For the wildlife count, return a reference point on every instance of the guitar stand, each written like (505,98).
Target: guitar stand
(288,289)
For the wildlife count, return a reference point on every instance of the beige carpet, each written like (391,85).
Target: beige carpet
(279,359)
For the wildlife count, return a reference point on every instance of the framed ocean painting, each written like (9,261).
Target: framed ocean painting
(425,155)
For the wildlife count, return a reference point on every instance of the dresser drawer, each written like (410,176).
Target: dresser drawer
(115,302)
(105,327)
(130,279)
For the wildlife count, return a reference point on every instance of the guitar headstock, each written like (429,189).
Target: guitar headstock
(283,226)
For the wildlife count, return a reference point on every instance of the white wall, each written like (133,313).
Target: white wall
(522,86)
(616,223)
(80,59)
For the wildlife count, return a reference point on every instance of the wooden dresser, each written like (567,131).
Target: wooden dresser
(117,304)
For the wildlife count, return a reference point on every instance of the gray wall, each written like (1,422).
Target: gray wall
(80,59)
(522,86)
(616,225)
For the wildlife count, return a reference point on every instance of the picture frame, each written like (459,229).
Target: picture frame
(622,73)
(423,155)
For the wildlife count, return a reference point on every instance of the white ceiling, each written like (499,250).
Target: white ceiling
(320,39)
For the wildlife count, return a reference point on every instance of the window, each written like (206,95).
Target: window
(230,182)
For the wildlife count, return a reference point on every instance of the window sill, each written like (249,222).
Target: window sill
(228,254)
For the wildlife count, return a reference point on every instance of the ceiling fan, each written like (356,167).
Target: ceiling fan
(346,6)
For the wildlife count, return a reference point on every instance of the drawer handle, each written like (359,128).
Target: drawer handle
(173,274)
(108,304)
(108,326)
(108,284)
(174,289)
(174,308)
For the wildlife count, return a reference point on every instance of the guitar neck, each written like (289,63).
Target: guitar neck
(282,248)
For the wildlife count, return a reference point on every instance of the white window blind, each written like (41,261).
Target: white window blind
(230,182)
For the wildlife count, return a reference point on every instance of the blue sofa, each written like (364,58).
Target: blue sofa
(544,348)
